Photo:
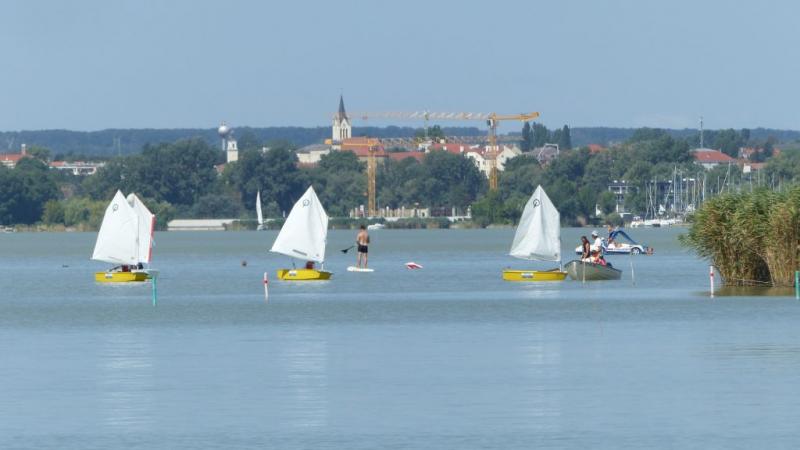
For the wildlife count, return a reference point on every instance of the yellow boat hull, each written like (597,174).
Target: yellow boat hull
(120,277)
(534,275)
(303,275)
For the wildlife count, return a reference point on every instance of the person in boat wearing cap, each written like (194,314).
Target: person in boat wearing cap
(597,244)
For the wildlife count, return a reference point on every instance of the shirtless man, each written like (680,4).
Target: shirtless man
(362,241)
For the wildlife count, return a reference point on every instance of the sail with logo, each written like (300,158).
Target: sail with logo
(304,236)
(538,238)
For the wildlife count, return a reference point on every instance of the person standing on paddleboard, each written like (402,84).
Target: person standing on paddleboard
(362,242)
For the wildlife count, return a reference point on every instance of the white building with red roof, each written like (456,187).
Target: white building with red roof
(710,158)
(10,160)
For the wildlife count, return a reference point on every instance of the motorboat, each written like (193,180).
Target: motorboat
(588,271)
(619,243)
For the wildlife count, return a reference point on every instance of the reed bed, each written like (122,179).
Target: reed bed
(751,238)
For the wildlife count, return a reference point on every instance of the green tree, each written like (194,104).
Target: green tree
(248,140)
(217,206)
(527,138)
(607,202)
(177,173)
(489,209)
(564,139)
(450,180)
(53,212)
(25,190)
(541,135)
(40,153)
(273,172)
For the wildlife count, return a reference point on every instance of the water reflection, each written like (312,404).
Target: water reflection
(305,358)
(542,362)
(754,291)
(126,381)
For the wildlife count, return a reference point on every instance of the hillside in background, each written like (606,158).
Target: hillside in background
(113,142)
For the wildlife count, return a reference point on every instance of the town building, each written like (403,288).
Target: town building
(342,126)
(710,158)
(77,168)
(310,155)
(546,153)
(620,188)
(10,160)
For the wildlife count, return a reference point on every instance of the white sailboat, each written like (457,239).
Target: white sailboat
(125,239)
(538,238)
(304,236)
(258,212)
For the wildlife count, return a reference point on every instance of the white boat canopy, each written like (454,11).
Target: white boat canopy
(117,239)
(538,234)
(305,232)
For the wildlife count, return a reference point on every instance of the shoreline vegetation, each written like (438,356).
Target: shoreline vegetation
(752,238)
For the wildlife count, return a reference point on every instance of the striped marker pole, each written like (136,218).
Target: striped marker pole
(266,288)
(711,279)
(797,284)
(155,289)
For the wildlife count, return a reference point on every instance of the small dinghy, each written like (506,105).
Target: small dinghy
(304,236)
(538,238)
(580,270)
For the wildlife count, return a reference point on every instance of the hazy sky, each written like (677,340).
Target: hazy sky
(89,65)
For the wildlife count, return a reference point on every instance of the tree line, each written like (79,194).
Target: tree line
(66,144)
(180,180)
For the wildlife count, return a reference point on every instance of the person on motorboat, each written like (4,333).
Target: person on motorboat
(596,258)
(610,242)
(598,243)
(586,248)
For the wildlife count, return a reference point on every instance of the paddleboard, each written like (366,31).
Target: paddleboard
(359,269)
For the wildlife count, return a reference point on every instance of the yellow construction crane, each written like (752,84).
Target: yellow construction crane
(492,152)
(491,119)
(371,173)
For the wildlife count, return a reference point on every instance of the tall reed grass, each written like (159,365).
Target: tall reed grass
(751,238)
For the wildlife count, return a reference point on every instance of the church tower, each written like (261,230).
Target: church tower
(341,124)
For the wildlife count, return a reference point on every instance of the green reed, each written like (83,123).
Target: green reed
(751,238)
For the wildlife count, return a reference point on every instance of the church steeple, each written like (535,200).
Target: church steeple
(341,124)
(342,114)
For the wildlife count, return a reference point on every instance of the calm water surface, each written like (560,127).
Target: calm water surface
(449,356)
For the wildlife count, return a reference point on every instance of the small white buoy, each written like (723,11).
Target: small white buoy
(266,288)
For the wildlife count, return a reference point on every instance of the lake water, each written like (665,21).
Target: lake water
(449,356)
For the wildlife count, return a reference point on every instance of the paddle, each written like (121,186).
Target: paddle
(348,248)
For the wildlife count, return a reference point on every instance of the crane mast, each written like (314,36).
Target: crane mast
(371,173)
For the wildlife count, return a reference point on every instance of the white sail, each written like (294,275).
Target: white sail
(538,234)
(258,210)
(146,227)
(117,239)
(305,232)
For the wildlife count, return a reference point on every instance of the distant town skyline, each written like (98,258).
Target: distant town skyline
(92,65)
